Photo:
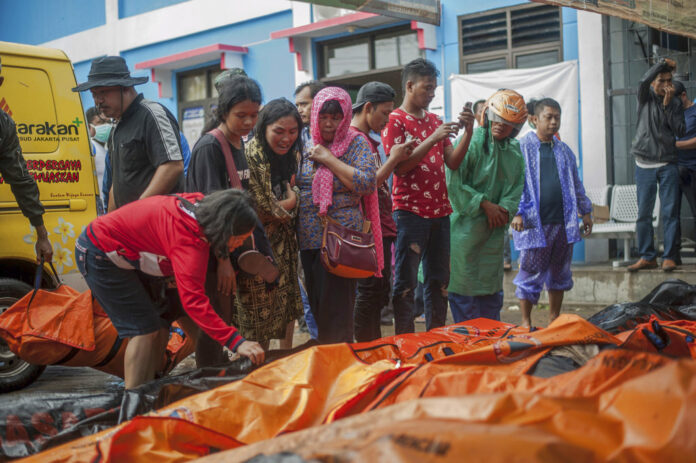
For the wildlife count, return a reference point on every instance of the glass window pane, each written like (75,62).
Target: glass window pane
(347,59)
(212,76)
(485,66)
(193,87)
(396,51)
(533,60)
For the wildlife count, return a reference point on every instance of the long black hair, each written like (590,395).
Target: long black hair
(282,166)
(224,214)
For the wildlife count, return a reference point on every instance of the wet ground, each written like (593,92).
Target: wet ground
(81,381)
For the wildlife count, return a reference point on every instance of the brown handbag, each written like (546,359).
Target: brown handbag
(348,253)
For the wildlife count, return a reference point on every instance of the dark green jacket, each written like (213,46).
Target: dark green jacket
(13,169)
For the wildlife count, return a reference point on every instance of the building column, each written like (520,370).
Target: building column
(592,115)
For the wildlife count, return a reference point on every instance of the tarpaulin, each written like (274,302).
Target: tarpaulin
(675,16)
(457,390)
(66,327)
(670,300)
(646,418)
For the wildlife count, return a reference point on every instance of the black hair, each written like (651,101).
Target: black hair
(531,104)
(360,108)
(331,107)
(314,87)
(478,102)
(91,114)
(282,166)
(418,68)
(224,214)
(235,90)
(539,105)
(678,88)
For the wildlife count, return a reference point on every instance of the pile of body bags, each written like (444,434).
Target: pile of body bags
(618,387)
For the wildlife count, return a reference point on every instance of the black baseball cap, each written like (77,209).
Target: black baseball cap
(374,92)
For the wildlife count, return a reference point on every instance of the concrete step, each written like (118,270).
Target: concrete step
(602,285)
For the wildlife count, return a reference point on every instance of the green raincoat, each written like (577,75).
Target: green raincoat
(476,256)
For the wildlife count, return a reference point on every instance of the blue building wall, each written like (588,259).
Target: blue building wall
(262,62)
(127,8)
(37,21)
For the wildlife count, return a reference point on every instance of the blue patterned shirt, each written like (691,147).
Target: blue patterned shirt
(345,205)
(574,198)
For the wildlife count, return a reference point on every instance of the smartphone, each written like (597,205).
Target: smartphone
(467,107)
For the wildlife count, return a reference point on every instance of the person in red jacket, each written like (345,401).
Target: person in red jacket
(163,236)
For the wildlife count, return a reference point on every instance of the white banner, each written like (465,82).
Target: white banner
(558,81)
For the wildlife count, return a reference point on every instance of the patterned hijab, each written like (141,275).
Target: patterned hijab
(343,136)
(322,185)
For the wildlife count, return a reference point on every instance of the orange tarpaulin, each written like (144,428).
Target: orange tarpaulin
(389,397)
(66,327)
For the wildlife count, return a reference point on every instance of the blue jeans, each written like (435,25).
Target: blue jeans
(428,240)
(646,185)
(469,307)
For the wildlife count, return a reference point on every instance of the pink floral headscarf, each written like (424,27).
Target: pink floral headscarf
(322,185)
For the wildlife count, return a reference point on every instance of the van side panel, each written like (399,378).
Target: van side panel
(56,146)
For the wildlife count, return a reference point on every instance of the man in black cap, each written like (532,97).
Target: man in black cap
(14,171)
(371,111)
(144,146)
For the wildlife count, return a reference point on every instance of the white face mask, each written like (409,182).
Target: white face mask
(101,132)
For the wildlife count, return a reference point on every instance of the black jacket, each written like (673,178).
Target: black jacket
(658,126)
(14,171)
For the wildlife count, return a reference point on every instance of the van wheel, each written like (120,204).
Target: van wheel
(15,373)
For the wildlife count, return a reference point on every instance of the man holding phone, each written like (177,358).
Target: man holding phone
(660,122)
(421,204)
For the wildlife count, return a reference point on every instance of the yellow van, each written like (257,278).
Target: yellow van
(56,146)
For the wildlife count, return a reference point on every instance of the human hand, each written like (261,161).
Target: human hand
(320,154)
(44,250)
(253,351)
(671,63)
(587,225)
(497,216)
(445,130)
(226,278)
(669,94)
(517,223)
(466,119)
(402,151)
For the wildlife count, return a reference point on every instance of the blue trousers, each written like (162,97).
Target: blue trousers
(647,180)
(419,239)
(469,307)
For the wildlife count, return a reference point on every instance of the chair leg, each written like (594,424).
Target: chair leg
(627,250)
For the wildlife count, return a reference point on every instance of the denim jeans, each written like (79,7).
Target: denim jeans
(647,180)
(419,239)
(469,307)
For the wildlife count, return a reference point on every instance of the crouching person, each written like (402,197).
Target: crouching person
(163,236)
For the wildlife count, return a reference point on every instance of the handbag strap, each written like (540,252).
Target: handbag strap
(235,182)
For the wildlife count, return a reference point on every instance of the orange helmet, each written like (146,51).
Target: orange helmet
(506,106)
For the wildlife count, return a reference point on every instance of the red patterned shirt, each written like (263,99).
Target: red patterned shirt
(423,190)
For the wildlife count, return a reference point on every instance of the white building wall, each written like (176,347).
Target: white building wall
(592,113)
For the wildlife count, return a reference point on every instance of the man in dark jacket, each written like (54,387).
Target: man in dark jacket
(660,121)
(14,171)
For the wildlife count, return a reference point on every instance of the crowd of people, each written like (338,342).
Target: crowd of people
(230,239)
